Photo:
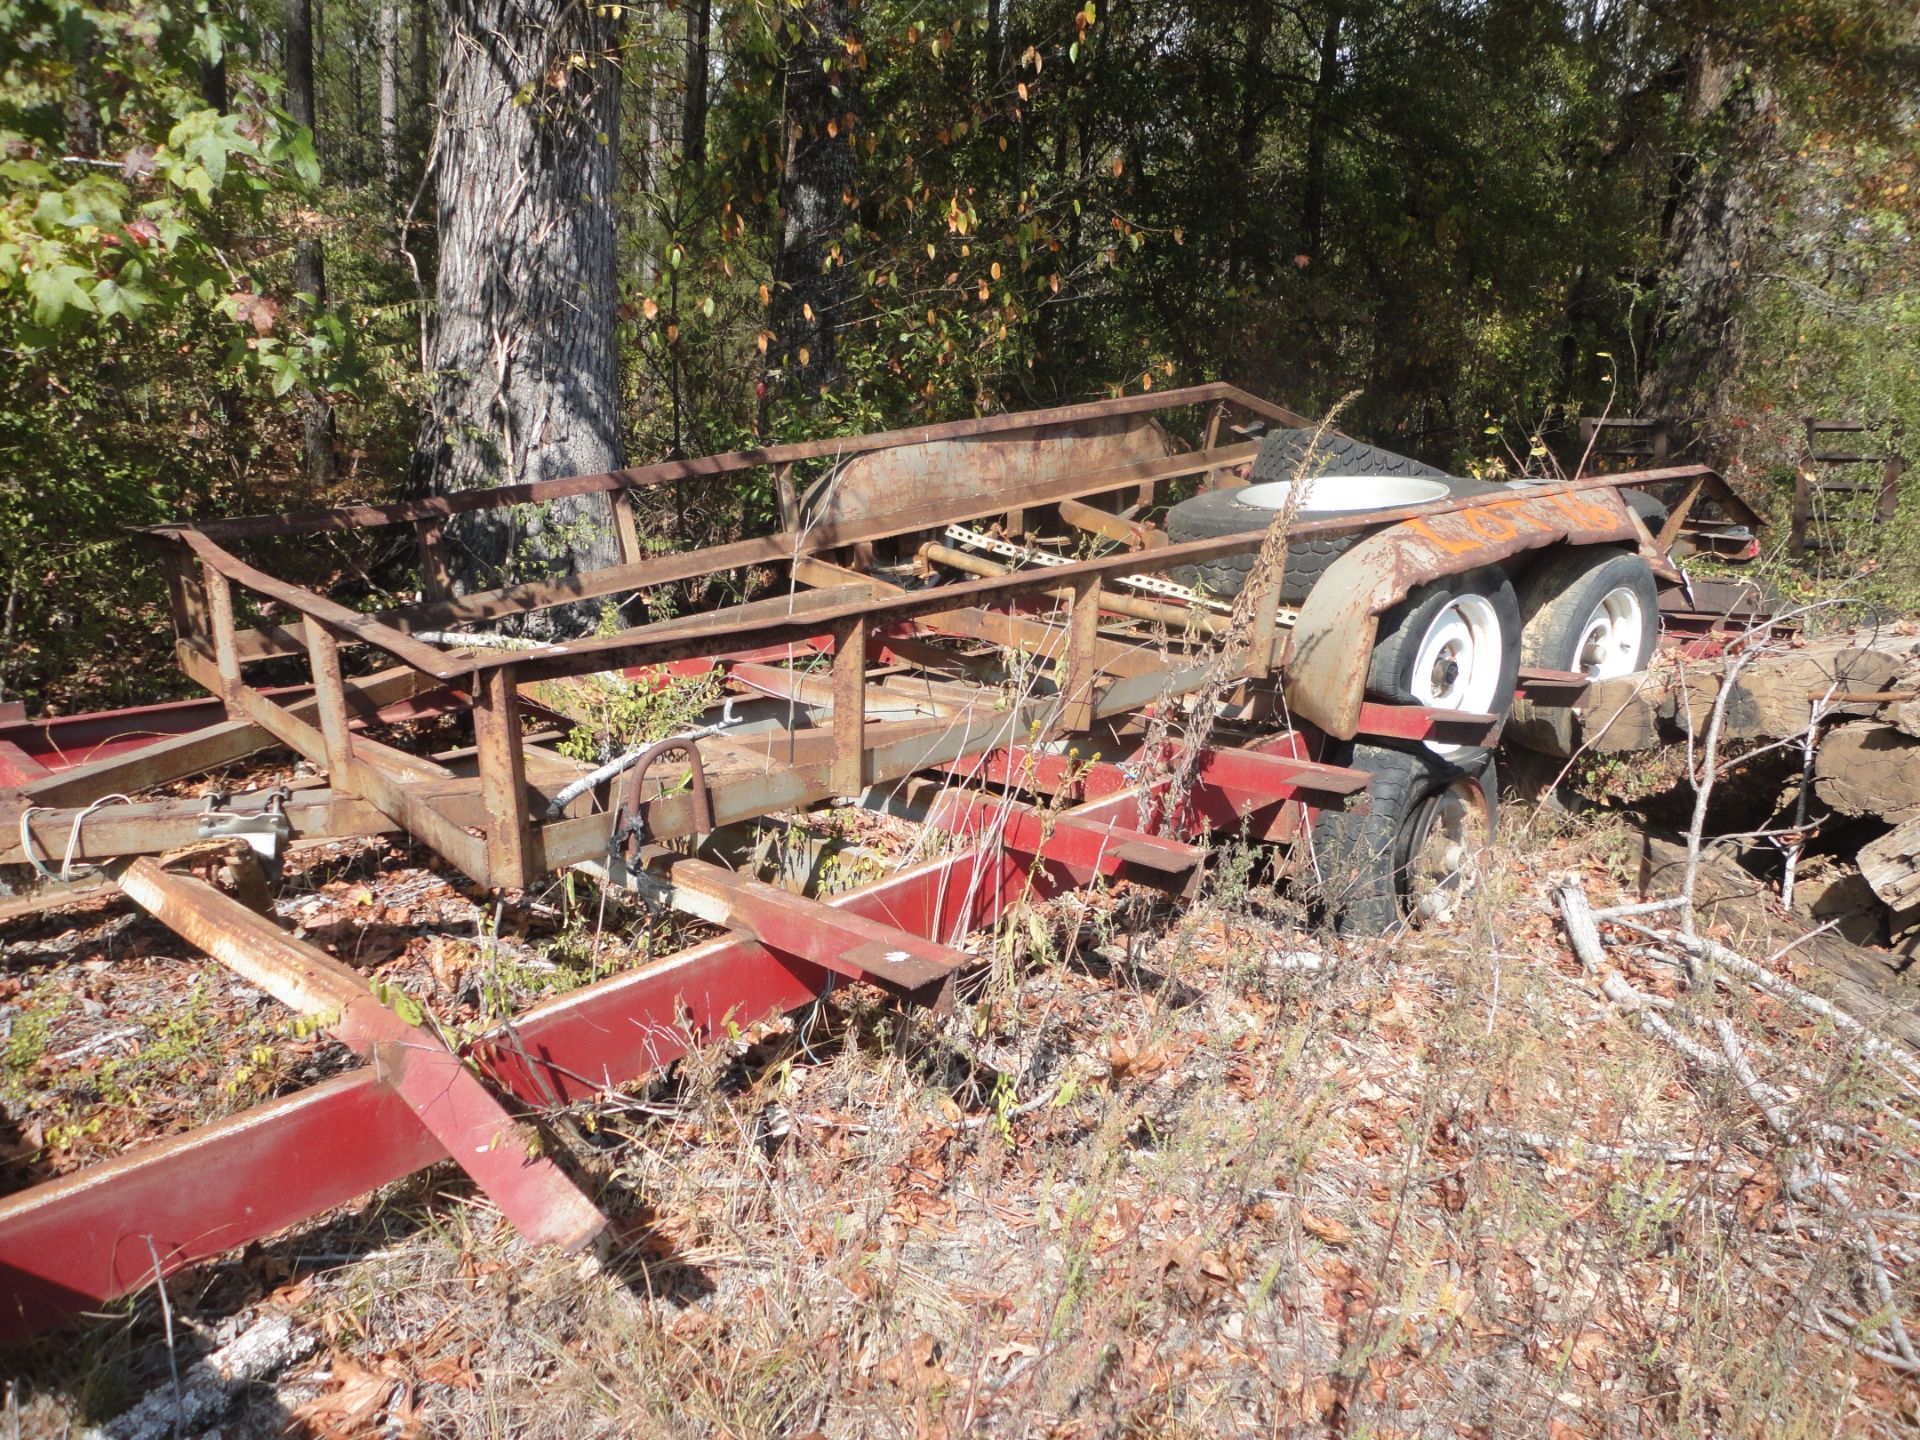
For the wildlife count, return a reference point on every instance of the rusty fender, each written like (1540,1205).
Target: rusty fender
(1326,668)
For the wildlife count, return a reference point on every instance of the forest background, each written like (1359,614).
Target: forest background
(256,256)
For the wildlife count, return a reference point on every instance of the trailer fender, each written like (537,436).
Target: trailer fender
(1326,665)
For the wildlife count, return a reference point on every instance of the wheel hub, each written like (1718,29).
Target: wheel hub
(1458,664)
(1611,639)
(1447,836)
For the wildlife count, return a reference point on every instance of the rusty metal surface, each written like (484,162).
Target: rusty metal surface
(497,1152)
(1001,466)
(1326,669)
(67,1244)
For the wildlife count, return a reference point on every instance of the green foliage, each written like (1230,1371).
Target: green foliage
(116,167)
(616,715)
(147,321)
(1467,212)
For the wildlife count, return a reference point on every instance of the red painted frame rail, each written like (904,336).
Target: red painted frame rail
(72,1244)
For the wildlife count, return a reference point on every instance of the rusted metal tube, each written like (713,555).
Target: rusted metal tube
(1170,615)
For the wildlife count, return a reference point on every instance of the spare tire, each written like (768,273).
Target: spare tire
(1250,508)
(1334,454)
(1206,517)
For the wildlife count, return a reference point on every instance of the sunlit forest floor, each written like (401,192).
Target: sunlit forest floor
(1166,1172)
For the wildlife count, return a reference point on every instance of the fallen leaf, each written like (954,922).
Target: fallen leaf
(1332,1231)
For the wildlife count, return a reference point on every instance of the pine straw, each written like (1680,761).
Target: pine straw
(1171,1174)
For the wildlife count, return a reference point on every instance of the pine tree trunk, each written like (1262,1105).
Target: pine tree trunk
(389,39)
(1320,121)
(822,167)
(527,376)
(1716,222)
(309,260)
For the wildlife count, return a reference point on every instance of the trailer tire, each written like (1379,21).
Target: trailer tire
(1452,644)
(1595,610)
(1650,508)
(1419,848)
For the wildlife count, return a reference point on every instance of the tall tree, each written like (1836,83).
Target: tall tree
(309,259)
(421,80)
(389,40)
(1714,220)
(812,283)
(693,123)
(523,348)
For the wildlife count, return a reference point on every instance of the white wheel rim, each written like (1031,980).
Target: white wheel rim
(1444,864)
(1610,640)
(1457,665)
(1342,494)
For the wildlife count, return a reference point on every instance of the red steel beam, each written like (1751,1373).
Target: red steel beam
(1093,840)
(85,1239)
(1417,722)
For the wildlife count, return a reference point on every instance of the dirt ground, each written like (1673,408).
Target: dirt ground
(1167,1171)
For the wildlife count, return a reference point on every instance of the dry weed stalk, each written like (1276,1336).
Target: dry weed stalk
(1808,1177)
(1264,579)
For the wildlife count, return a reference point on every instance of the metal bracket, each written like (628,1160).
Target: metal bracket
(629,821)
(267,832)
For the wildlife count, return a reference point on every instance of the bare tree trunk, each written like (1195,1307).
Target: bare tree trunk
(309,260)
(389,37)
(422,66)
(822,167)
(213,84)
(1313,204)
(1717,220)
(527,376)
(693,123)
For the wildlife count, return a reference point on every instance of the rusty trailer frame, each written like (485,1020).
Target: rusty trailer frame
(901,681)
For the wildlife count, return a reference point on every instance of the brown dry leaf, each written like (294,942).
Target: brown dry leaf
(1197,1274)
(917,1368)
(450,1370)
(259,311)
(448,960)
(292,1296)
(359,1393)
(1127,1055)
(1332,1231)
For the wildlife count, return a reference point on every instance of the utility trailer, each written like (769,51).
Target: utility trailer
(1061,639)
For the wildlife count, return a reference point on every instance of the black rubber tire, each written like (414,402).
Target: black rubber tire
(1213,513)
(1207,516)
(1282,450)
(1390,669)
(1557,598)
(1279,459)
(1650,509)
(1363,859)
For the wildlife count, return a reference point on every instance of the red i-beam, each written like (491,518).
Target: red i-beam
(80,1241)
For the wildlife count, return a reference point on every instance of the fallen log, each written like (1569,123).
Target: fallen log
(1891,865)
(1863,981)
(1869,769)
(1772,698)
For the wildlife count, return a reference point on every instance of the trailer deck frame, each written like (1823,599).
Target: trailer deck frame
(846,647)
